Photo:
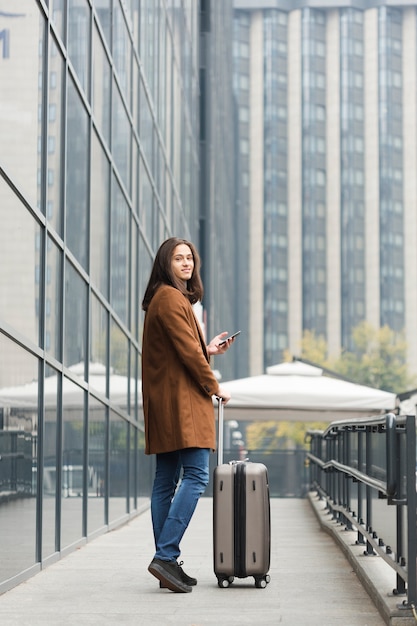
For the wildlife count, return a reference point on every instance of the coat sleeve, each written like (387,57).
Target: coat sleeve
(176,317)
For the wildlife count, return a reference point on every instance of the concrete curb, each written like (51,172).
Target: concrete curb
(376,576)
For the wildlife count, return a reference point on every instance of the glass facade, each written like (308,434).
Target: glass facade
(100,149)
(391,173)
(314,170)
(353,167)
(241,85)
(275,34)
(338,148)
(223,222)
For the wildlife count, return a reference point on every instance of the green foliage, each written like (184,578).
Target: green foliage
(379,360)
(272,435)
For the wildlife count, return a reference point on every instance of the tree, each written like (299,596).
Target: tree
(378,358)
(283,435)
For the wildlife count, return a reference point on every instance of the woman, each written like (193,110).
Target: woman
(177,387)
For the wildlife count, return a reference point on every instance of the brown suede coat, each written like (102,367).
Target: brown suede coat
(177,380)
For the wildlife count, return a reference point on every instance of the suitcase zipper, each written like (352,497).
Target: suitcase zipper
(240,520)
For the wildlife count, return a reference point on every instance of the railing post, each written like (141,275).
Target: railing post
(368,462)
(411,510)
(347,484)
(360,539)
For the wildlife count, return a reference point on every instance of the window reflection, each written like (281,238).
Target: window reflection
(122,52)
(121,137)
(18,463)
(50,430)
(96,473)
(103,11)
(19,302)
(118,467)
(101,87)
(55,132)
(22,39)
(77,172)
(100,207)
(146,124)
(72,477)
(134,281)
(79,40)
(145,200)
(119,359)
(53,301)
(119,253)
(75,319)
(99,334)
(58,13)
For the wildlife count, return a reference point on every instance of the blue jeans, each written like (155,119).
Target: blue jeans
(172,508)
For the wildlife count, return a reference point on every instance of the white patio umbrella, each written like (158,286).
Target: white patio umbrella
(297,391)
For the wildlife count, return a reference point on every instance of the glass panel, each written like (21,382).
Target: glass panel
(75,321)
(21,44)
(145,201)
(145,468)
(98,350)
(77,175)
(118,467)
(119,253)
(148,39)
(103,11)
(162,73)
(167,103)
(58,13)
(18,466)
(79,40)
(121,137)
(135,177)
(134,303)
(72,463)
(133,500)
(100,207)
(122,52)
(50,464)
(135,387)
(53,330)
(145,266)
(20,275)
(135,94)
(119,360)
(101,87)
(145,125)
(96,465)
(54,191)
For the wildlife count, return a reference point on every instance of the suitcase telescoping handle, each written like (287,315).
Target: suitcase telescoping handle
(220,428)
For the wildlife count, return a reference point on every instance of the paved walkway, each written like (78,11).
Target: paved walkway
(106,582)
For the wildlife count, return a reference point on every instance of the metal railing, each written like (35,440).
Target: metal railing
(365,470)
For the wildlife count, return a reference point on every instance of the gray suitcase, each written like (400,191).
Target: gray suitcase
(241,519)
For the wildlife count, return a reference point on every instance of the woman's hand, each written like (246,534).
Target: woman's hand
(224,395)
(214,346)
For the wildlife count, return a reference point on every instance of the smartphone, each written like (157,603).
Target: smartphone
(227,338)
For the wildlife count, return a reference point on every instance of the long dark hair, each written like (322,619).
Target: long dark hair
(162,274)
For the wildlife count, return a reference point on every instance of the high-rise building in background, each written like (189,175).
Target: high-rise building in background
(102,158)
(327,135)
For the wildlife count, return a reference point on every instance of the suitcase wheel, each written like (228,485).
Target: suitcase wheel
(261,583)
(224,582)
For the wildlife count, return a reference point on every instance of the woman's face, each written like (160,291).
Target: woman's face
(182,262)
